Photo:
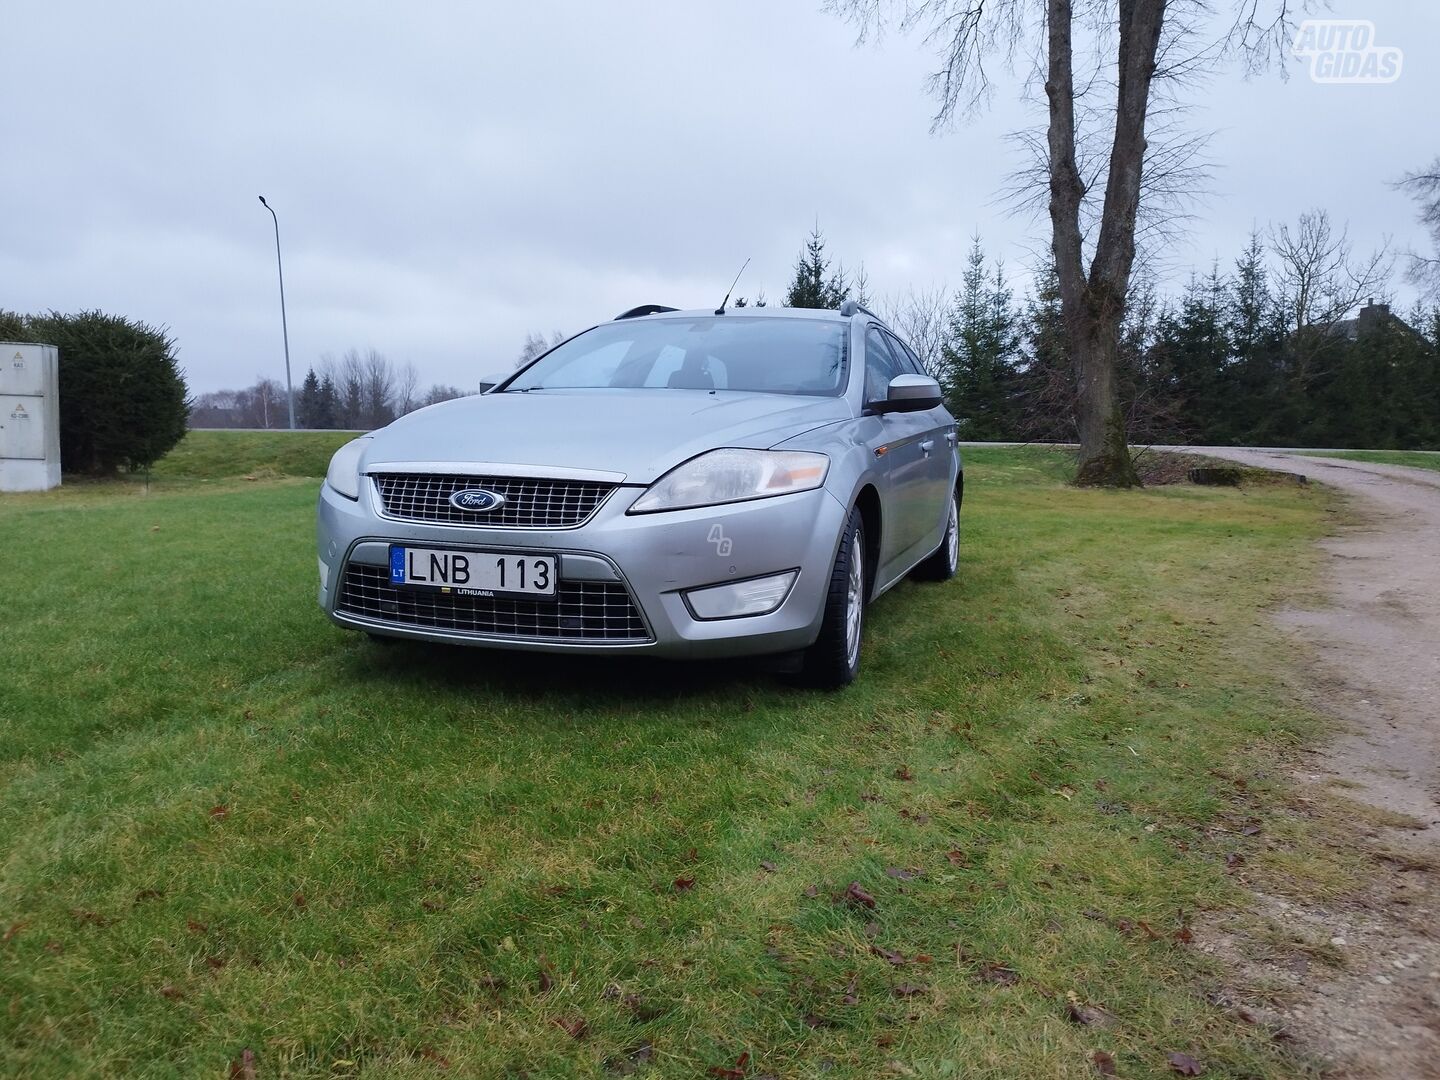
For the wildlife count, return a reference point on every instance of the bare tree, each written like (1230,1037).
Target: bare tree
(379,393)
(262,405)
(1320,279)
(535,345)
(919,316)
(441,392)
(407,387)
(1424,270)
(1130,43)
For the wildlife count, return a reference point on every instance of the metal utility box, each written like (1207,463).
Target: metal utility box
(29,417)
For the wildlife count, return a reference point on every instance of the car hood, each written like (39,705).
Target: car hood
(636,434)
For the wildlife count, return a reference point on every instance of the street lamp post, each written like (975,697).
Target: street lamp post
(284,329)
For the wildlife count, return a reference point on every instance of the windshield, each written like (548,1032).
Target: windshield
(711,352)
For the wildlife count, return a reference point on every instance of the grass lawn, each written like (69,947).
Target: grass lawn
(232,833)
(1416,459)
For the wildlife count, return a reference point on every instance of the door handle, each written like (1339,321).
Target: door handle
(950,438)
(927,446)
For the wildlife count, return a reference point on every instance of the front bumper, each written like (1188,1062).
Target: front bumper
(654,558)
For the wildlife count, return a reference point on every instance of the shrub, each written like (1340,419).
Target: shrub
(123,402)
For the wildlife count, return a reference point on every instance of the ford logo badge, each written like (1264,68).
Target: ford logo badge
(477,500)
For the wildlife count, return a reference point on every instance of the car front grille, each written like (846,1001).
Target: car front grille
(582,611)
(530,503)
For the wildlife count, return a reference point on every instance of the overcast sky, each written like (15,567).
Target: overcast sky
(450,176)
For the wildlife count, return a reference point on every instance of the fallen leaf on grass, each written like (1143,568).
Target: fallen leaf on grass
(998,973)
(1234,859)
(683,884)
(907,990)
(869,796)
(631,1060)
(735,1072)
(810,1020)
(1184,1064)
(171,991)
(767,866)
(243,1067)
(901,874)
(956,857)
(854,894)
(574,1026)
(812,891)
(543,981)
(94,918)
(430,1054)
(220,811)
(299,899)
(904,773)
(1104,1062)
(1085,1015)
(892,958)
(14,929)
(148,894)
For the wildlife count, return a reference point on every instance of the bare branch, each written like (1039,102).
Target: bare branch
(1423,270)
(1320,279)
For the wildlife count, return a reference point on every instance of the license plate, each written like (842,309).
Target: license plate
(473,573)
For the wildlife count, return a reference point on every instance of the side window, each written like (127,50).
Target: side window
(880,365)
(909,362)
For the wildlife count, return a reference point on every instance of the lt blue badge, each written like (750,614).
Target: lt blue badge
(397,565)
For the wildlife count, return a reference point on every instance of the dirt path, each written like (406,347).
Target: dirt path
(1375,665)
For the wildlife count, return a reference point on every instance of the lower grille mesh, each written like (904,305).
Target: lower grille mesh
(581,611)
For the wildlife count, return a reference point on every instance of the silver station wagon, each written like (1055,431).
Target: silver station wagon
(671,483)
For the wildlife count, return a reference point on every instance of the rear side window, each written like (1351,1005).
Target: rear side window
(909,362)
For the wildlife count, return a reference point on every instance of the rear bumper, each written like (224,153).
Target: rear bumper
(647,560)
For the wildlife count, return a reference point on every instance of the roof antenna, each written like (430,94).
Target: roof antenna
(721,309)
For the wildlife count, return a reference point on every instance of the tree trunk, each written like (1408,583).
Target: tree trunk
(1094,305)
(1104,454)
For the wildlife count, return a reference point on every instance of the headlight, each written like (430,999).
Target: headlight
(344,472)
(727,476)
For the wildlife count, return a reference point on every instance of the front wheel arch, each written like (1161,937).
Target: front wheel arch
(867,501)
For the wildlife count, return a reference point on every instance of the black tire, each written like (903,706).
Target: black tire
(834,659)
(941,564)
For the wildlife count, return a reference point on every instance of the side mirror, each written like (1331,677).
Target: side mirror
(489,382)
(909,393)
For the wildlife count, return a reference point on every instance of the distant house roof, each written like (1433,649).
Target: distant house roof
(1371,317)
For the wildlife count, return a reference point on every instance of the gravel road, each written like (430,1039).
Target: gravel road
(1373,662)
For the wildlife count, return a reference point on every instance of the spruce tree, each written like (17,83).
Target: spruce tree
(814,286)
(978,356)
(307,402)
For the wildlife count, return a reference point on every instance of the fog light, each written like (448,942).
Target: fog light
(324,573)
(755,596)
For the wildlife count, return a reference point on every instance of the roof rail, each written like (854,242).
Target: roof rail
(643,309)
(853,307)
